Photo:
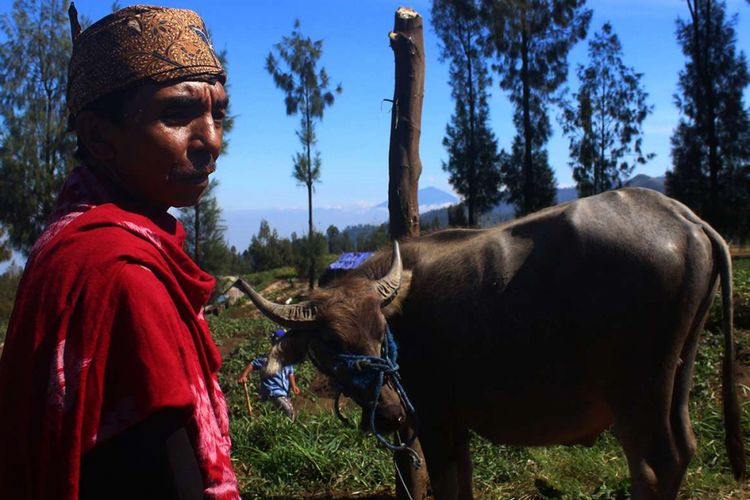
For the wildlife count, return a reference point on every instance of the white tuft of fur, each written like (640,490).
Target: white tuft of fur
(273,364)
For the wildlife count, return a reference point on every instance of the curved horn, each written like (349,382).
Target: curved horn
(293,316)
(388,285)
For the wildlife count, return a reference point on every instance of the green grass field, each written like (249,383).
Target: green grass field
(319,457)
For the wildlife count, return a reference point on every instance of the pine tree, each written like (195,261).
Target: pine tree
(473,161)
(213,252)
(36,149)
(531,40)
(711,144)
(293,64)
(604,122)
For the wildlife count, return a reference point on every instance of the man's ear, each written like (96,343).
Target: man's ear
(291,349)
(96,134)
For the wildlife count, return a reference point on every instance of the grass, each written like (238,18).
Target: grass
(318,456)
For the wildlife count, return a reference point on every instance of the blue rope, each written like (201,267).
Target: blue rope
(368,374)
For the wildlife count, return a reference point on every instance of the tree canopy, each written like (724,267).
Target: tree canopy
(604,121)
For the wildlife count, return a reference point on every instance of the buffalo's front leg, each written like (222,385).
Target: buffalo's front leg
(411,483)
(446,449)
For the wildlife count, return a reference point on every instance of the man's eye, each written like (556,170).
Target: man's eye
(176,115)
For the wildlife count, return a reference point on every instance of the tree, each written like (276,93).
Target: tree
(293,64)
(267,250)
(711,144)
(212,253)
(604,122)
(307,251)
(36,149)
(531,40)
(473,161)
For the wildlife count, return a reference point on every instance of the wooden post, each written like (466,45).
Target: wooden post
(404,169)
(404,165)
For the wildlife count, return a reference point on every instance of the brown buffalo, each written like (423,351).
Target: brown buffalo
(546,330)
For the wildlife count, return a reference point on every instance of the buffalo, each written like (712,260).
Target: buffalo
(545,330)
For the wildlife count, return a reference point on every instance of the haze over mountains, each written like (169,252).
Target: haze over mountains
(243,224)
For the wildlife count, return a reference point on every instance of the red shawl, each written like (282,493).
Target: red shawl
(107,330)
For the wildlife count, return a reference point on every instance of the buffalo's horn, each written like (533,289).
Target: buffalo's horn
(389,284)
(293,316)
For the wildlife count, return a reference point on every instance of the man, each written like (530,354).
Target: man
(108,381)
(278,387)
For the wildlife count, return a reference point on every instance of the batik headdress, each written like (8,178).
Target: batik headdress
(138,44)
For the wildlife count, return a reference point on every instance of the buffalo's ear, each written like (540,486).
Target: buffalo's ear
(291,349)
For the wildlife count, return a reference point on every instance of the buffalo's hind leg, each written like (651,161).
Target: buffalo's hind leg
(652,424)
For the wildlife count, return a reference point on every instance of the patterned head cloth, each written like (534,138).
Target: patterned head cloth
(137,44)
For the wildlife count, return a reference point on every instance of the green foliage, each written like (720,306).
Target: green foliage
(711,143)
(604,123)
(338,242)
(531,39)
(473,161)
(308,255)
(374,238)
(268,251)
(262,279)
(36,149)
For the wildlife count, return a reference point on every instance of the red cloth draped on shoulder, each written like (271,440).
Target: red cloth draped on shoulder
(107,330)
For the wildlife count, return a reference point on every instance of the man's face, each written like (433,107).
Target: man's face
(169,142)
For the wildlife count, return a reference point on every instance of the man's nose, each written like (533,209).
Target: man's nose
(208,135)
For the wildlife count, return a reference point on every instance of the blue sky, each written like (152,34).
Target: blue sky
(353,137)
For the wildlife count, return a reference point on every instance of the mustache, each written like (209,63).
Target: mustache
(197,167)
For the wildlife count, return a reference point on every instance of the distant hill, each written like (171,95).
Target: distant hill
(242,224)
(644,181)
(430,198)
(433,203)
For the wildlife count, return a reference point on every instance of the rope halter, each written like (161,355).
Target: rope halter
(357,375)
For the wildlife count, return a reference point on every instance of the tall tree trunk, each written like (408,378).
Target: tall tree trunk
(528,167)
(700,116)
(471,202)
(710,117)
(310,242)
(404,164)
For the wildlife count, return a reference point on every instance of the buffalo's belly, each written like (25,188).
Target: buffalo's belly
(541,420)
